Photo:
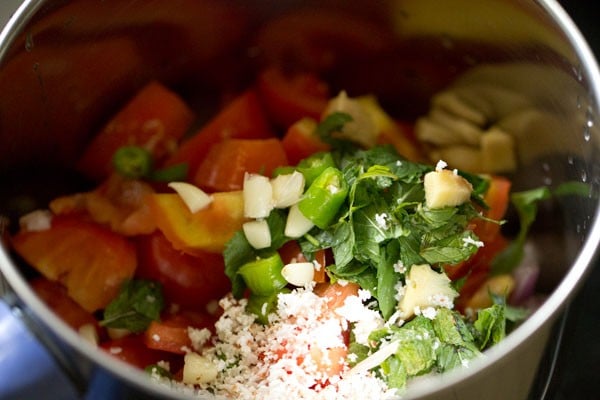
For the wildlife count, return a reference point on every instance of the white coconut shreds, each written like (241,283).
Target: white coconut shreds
(299,355)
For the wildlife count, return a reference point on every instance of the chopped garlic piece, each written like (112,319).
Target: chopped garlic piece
(299,274)
(297,224)
(258,196)
(193,197)
(38,220)
(287,189)
(257,233)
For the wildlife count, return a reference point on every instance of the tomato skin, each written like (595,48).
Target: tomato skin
(117,202)
(55,297)
(242,118)
(156,118)
(301,141)
(187,280)
(290,97)
(132,350)
(227,162)
(88,259)
(170,334)
(497,198)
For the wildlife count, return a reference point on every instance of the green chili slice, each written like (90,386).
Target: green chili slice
(324,197)
(132,162)
(263,275)
(314,166)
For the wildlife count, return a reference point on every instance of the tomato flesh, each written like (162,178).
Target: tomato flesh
(227,162)
(187,280)
(89,260)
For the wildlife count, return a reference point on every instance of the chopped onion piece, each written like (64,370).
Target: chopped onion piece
(38,220)
(198,369)
(287,189)
(193,197)
(297,224)
(258,196)
(299,274)
(257,233)
(375,359)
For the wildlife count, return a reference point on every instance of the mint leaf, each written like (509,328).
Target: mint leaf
(526,205)
(138,303)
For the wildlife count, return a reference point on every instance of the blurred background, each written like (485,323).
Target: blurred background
(568,371)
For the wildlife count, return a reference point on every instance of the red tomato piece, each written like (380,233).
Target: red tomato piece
(497,198)
(118,203)
(242,118)
(88,259)
(288,98)
(301,141)
(156,118)
(132,350)
(171,333)
(187,280)
(55,297)
(226,163)
(336,293)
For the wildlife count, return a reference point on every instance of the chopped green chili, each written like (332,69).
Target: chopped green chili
(324,197)
(132,161)
(263,275)
(314,166)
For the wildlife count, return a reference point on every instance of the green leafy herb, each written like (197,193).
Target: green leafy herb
(138,303)
(526,205)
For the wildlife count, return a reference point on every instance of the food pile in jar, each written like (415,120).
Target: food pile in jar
(337,255)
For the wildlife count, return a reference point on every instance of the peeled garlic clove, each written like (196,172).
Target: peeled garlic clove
(194,198)
(297,224)
(258,196)
(299,274)
(287,189)
(257,233)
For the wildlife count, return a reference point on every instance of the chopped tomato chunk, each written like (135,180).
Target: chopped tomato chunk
(290,97)
(227,162)
(118,203)
(88,259)
(156,118)
(55,296)
(132,350)
(187,280)
(242,118)
(301,141)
